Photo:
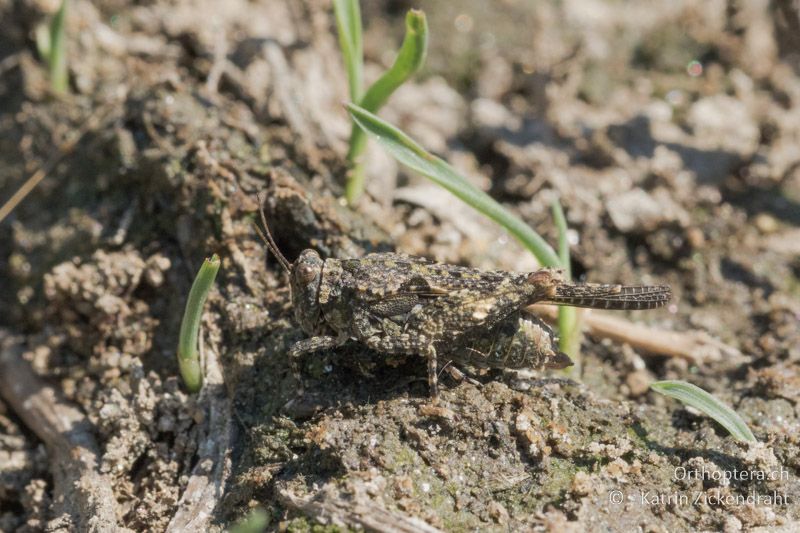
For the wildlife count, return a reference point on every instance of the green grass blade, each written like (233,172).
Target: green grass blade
(409,60)
(568,329)
(188,359)
(563,238)
(57,57)
(43,45)
(411,154)
(696,397)
(348,25)
(255,522)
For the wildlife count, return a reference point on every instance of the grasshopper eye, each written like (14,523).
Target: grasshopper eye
(306,273)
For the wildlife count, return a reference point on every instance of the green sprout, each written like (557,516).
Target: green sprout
(568,327)
(255,522)
(51,44)
(409,60)
(411,154)
(348,25)
(188,359)
(696,397)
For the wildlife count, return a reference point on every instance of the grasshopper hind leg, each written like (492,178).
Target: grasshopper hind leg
(459,375)
(613,297)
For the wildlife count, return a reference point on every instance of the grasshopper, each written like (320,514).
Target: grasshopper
(400,304)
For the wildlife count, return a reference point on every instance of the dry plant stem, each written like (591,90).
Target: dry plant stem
(207,482)
(80,490)
(354,514)
(694,346)
(66,148)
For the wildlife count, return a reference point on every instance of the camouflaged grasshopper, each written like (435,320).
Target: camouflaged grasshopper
(400,304)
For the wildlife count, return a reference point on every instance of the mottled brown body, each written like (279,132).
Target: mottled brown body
(399,304)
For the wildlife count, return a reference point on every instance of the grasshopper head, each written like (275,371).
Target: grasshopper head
(305,278)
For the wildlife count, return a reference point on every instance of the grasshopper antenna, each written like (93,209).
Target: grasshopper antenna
(266,236)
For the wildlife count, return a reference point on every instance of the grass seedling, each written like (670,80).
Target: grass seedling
(411,154)
(348,25)
(568,327)
(255,522)
(51,44)
(696,397)
(188,359)
(409,60)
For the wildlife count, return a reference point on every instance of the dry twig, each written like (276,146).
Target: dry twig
(207,482)
(694,346)
(81,491)
(65,148)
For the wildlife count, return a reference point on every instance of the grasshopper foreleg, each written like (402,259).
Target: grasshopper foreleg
(306,346)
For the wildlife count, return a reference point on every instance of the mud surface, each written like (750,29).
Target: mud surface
(671,134)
